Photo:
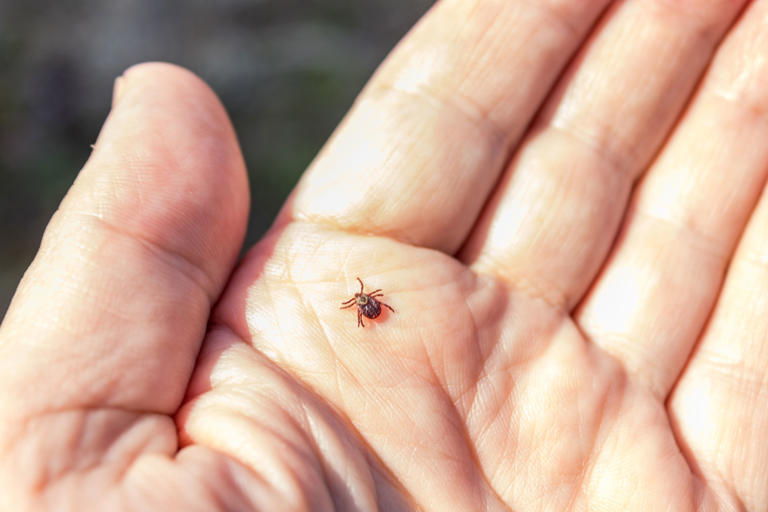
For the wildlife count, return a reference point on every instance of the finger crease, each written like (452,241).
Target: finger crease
(472,112)
(623,159)
(697,237)
(175,259)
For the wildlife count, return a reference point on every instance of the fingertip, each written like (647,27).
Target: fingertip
(138,74)
(168,146)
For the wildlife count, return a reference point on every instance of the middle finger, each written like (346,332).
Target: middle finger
(551,221)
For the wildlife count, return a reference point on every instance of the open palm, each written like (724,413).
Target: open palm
(560,200)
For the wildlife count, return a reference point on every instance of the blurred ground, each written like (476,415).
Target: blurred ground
(286,70)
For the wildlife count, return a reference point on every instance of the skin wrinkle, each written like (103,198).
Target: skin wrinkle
(215,327)
(359,438)
(138,454)
(337,382)
(66,472)
(435,367)
(482,376)
(235,482)
(699,239)
(520,362)
(310,436)
(307,422)
(465,426)
(531,290)
(329,222)
(590,457)
(132,168)
(597,443)
(623,158)
(272,355)
(516,420)
(397,485)
(217,498)
(466,411)
(52,319)
(552,14)
(176,260)
(293,483)
(480,436)
(750,383)
(601,438)
(625,162)
(698,477)
(313,435)
(55,318)
(461,427)
(493,134)
(321,225)
(293,252)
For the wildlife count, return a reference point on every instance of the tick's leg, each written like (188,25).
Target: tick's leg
(374,291)
(347,306)
(360,319)
(376,295)
(361,284)
(387,305)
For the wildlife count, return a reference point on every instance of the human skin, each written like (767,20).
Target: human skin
(562,201)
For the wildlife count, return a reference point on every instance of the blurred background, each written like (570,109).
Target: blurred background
(286,70)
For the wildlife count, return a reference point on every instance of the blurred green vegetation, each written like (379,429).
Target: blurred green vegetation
(286,70)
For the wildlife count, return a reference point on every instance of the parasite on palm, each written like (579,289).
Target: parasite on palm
(366,303)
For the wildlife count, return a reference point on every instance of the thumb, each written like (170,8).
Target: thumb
(112,311)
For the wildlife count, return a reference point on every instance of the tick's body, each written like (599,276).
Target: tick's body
(366,303)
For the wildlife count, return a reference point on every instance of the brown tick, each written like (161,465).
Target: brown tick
(366,304)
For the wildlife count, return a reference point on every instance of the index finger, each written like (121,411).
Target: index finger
(425,142)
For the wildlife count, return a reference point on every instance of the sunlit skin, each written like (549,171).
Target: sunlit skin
(564,203)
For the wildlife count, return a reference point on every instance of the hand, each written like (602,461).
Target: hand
(565,214)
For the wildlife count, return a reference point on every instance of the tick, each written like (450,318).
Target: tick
(366,304)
